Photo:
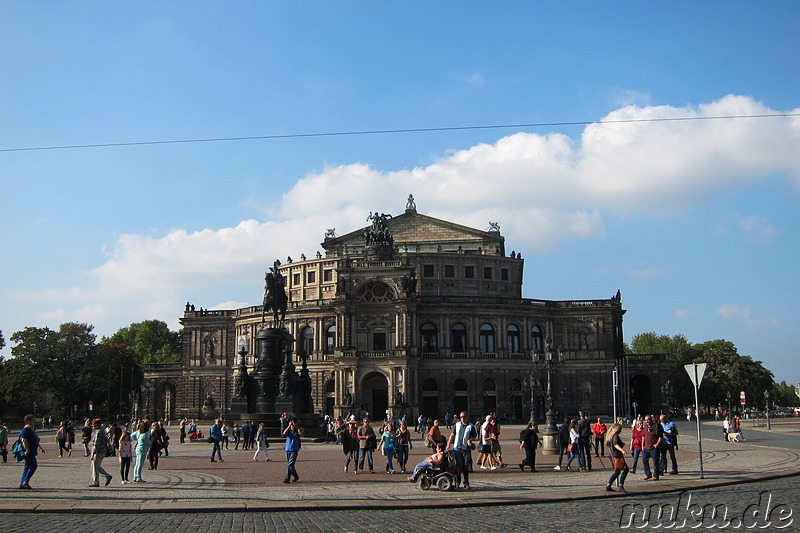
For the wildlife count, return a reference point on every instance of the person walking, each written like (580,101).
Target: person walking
(350,444)
(461,442)
(141,438)
(292,448)
(261,443)
(388,444)
(528,441)
(100,446)
(125,454)
(366,443)
(668,443)
(61,438)
(616,449)
(30,442)
(637,433)
(651,443)
(86,437)
(404,445)
(563,442)
(574,447)
(156,445)
(215,436)
(3,441)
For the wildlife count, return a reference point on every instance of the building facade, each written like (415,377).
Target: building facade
(416,315)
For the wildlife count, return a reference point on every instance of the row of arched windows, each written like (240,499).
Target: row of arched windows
(486,338)
(460,385)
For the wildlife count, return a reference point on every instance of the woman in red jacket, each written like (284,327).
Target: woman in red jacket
(636,443)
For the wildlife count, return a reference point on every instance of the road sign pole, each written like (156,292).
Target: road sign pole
(697,407)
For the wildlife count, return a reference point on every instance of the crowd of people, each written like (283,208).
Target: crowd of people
(142,442)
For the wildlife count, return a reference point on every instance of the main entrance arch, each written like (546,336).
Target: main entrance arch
(375,395)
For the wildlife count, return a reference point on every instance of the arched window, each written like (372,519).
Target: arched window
(512,338)
(306,342)
(458,338)
(429,338)
(489,385)
(375,292)
(330,386)
(487,338)
(429,385)
(460,385)
(536,339)
(330,339)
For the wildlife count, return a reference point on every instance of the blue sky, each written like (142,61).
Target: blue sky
(694,221)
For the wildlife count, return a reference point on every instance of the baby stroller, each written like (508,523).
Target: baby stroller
(444,477)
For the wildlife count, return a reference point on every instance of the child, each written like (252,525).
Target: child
(434,460)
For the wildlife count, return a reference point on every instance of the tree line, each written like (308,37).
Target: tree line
(727,372)
(58,372)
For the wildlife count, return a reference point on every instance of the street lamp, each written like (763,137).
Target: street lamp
(550,432)
(728,396)
(766,403)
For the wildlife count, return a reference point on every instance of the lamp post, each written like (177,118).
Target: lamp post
(550,432)
(728,396)
(667,390)
(766,403)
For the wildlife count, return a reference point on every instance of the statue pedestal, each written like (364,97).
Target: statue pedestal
(550,443)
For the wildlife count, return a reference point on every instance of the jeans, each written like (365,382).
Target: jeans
(573,454)
(402,456)
(141,457)
(363,452)
(259,447)
(124,468)
(216,450)
(97,469)
(464,462)
(31,464)
(668,449)
(636,454)
(646,455)
(291,459)
(352,455)
(389,456)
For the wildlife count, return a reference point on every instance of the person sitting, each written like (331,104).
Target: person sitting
(432,461)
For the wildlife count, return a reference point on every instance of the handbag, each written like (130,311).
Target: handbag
(570,447)
(619,463)
(19,451)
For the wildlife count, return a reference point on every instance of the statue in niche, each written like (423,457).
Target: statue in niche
(409,284)
(398,398)
(348,398)
(275,296)
(208,349)
(208,403)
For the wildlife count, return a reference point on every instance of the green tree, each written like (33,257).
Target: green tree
(50,367)
(2,340)
(784,395)
(679,352)
(150,341)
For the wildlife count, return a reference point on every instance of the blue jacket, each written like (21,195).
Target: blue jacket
(216,432)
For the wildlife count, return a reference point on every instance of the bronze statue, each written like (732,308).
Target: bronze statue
(275,296)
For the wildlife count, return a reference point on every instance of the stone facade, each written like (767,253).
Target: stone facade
(435,324)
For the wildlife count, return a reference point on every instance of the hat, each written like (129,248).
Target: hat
(352,418)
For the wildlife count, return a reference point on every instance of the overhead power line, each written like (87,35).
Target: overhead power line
(392,131)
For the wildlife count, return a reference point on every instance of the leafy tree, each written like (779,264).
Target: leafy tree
(784,395)
(51,366)
(679,352)
(2,340)
(150,341)
(729,372)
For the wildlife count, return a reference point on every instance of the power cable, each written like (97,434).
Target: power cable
(393,131)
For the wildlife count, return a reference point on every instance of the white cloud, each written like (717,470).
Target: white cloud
(685,314)
(758,230)
(541,188)
(744,314)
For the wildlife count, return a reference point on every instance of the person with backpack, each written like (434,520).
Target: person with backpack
(61,440)
(31,446)
(100,447)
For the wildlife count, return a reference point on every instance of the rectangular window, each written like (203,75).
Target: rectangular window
(504,274)
(327,275)
(312,276)
(469,271)
(379,341)
(449,271)
(295,279)
(487,272)
(427,271)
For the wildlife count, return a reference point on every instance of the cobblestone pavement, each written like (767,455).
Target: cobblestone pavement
(737,507)
(188,484)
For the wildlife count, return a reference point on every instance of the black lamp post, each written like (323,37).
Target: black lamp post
(728,396)
(550,432)
(668,395)
(766,403)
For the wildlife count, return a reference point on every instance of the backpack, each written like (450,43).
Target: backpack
(19,451)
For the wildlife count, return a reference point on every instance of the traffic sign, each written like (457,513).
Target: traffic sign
(696,371)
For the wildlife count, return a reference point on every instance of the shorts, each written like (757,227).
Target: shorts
(486,448)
